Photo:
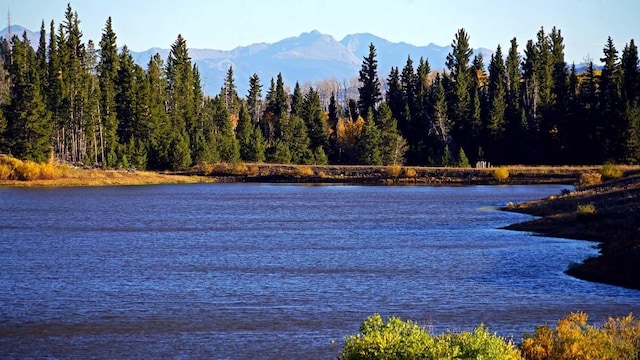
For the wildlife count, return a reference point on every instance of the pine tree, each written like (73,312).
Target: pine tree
(515,127)
(29,130)
(297,100)
(631,102)
(369,89)
(459,104)
(229,93)
(630,67)
(107,75)
(612,124)
(497,107)
(160,132)
(227,143)
(395,99)
(126,90)
(181,103)
(244,134)
(254,98)
(315,120)
(368,152)
(408,113)
(392,144)
(440,125)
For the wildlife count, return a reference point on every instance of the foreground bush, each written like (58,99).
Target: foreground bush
(572,339)
(15,169)
(397,339)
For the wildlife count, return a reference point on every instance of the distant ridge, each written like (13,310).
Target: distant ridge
(309,57)
(306,58)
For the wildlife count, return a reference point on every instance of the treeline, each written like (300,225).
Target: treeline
(91,104)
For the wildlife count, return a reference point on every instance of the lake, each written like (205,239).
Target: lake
(261,271)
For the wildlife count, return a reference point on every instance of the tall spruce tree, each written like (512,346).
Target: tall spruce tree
(368,147)
(29,130)
(369,89)
(609,87)
(107,75)
(254,98)
(181,103)
(459,103)
(496,126)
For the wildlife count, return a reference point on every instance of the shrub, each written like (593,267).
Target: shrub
(501,174)
(397,339)
(590,178)
(27,171)
(253,171)
(394,170)
(239,169)
(6,172)
(50,171)
(611,172)
(479,344)
(394,339)
(586,210)
(304,171)
(573,338)
(410,173)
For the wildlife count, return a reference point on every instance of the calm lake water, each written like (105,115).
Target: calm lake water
(248,271)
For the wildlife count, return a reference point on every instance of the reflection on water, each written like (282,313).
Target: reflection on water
(273,271)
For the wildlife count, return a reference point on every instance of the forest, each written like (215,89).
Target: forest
(91,105)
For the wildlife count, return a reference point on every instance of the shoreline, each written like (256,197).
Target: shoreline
(606,213)
(312,174)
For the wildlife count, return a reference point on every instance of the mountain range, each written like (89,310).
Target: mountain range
(307,58)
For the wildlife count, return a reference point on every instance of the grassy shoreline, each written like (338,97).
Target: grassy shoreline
(608,213)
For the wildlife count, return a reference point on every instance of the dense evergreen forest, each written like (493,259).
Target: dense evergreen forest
(90,104)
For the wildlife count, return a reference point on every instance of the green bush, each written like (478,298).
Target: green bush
(397,339)
(611,172)
(586,210)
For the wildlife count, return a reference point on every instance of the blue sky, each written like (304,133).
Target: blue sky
(142,24)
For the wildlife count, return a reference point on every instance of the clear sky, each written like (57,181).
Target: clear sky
(217,24)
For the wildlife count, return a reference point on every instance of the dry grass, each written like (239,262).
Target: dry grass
(14,172)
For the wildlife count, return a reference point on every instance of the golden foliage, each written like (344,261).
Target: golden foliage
(349,132)
(410,173)
(611,172)
(303,171)
(586,210)
(573,338)
(501,174)
(6,172)
(394,170)
(590,178)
